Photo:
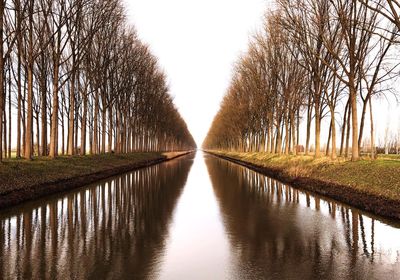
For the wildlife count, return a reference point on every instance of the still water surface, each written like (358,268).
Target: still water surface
(197,217)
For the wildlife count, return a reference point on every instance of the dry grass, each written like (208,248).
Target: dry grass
(16,173)
(379,177)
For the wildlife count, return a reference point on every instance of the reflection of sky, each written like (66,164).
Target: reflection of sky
(197,247)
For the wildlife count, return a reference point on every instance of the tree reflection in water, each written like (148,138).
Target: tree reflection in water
(115,229)
(276,231)
(120,228)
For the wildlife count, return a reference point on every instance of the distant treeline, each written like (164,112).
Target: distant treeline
(76,79)
(312,59)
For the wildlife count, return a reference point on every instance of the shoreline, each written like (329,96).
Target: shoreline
(378,205)
(32,192)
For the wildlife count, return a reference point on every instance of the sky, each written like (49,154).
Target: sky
(197,43)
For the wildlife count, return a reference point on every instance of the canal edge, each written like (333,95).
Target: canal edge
(17,197)
(380,206)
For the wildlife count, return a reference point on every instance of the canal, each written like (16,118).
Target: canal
(195,217)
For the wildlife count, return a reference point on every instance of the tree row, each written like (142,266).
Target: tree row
(311,60)
(76,79)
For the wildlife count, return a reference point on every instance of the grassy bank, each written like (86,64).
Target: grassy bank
(366,184)
(22,180)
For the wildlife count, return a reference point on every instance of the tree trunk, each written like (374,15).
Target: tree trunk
(363,113)
(1,75)
(76,129)
(4,120)
(19,101)
(54,117)
(298,128)
(348,133)
(354,121)
(287,135)
(333,128)
(117,133)
(317,129)
(9,117)
(95,125)
(344,128)
(110,128)
(24,115)
(373,155)
(44,113)
(62,132)
(83,124)
(329,139)
(37,134)
(29,121)
(71,118)
(278,146)
(103,129)
(309,118)
(293,132)
(269,130)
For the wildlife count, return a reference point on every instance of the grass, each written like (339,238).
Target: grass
(18,173)
(392,157)
(379,177)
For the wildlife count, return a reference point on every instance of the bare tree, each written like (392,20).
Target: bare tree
(310,56)
(77,67)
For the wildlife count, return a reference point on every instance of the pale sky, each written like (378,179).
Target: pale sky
(197,43)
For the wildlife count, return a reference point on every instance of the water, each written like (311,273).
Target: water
(197,217)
